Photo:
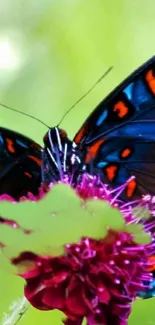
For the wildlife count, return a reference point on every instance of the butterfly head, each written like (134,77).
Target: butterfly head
(61,153)
(55,139)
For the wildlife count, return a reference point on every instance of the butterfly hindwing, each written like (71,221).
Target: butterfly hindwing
(118,138)
(20,164)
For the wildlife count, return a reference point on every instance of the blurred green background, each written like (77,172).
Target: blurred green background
(51,52)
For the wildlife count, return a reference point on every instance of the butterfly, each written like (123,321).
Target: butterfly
(115,142)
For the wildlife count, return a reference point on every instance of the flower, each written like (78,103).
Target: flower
(95,278)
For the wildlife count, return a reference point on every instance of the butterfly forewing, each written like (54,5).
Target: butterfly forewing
(118,138)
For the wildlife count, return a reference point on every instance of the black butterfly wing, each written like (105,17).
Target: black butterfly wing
(20,165)
(118,138)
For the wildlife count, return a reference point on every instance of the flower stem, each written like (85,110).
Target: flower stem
(18,310)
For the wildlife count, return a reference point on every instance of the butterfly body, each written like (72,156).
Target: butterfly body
(61,157)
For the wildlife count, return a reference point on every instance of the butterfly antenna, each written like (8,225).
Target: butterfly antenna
(26,114)
(83,96)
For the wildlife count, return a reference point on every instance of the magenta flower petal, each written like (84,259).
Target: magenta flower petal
(75,303)
(32,265)
(96,279)
(54,297)
(72,321)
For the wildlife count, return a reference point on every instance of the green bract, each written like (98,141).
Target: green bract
(60,218)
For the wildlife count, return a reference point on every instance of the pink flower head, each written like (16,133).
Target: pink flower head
(95,278)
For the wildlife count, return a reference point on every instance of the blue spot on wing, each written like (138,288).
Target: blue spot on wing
(128,91)
(22,144)
(1,139)
(141,94)
(138,94)
(102,118)
(101,164)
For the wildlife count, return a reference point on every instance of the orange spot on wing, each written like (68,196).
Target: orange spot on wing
(36,160)
(126,153)
(150,78)
(80,135)
(28,174)
(10,145)
(111,172)
(151,268)
(92,150)
(121,108)
(131,186)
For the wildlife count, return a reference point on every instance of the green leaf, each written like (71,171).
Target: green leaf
(60,218)
(140,236)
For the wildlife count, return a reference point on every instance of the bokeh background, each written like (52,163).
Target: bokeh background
(51,52)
